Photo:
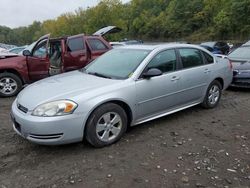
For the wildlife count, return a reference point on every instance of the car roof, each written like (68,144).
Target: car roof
(159,46)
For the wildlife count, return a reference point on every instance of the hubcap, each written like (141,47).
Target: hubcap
(109,126)
(214,94)
(8,85)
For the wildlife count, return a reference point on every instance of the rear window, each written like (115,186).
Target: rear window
(97,44)
(240,53)
(221,44)
(75,44)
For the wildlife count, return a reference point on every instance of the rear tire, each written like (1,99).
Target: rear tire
(213,95)
(10,84)
(106,125)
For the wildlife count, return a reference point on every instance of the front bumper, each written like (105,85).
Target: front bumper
(241,80)
(48,130)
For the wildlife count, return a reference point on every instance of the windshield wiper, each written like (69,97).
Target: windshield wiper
(99,75)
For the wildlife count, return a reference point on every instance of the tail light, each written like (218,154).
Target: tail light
(230,64)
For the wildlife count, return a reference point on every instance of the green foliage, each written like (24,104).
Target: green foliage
(164,20)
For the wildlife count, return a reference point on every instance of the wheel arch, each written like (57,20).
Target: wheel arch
(221,81)
(13,71)
(119,102)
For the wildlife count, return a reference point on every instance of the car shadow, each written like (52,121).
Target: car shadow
(238,89)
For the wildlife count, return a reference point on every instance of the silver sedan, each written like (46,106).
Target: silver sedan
(124,87)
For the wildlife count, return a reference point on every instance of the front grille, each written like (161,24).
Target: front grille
(22,108)
(242,80)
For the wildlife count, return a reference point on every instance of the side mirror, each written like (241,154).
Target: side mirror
(152,73)
(26,53)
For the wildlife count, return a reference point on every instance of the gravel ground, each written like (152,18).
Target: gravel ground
(191,148)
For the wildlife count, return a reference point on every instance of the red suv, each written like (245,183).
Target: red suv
(47,57)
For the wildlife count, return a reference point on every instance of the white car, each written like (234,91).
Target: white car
(124,87)
(4,55)
(2,49)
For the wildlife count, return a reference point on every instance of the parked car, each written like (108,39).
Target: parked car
(6,46)
(212,50)
(47,57)
(124,87)
(4,55)
(17,50)
(117,44)
(221,46)
(235,46)
(247,43)
(2,49)
(240,59)
(125,42)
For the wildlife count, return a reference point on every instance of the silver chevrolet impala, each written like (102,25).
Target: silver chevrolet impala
(124,87)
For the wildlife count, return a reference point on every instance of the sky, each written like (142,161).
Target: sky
(16,13)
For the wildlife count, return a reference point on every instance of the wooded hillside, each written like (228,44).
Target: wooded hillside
(163,20)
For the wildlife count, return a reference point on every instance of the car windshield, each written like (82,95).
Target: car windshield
(117,63)
(241,53)
(30,47)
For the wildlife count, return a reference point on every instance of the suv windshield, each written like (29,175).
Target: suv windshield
(30,47)
(117,63)
(240,53)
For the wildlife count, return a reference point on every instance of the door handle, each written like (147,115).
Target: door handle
(207,71)
(175,78)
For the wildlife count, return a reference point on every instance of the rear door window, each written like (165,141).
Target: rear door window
(190,57)
(75,44)
(220,44)
(97,44)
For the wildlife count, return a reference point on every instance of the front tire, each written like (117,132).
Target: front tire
(213,95)
(10,84)
(106,125)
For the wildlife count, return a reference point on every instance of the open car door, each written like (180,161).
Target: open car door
(38,60)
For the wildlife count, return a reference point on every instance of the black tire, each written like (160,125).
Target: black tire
(14,79)
(97,116)
(207,103)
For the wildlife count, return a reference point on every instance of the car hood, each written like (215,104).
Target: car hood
(4,55)
(10,62)
(63,86)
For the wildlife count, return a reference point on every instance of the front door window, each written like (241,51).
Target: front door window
(40,50)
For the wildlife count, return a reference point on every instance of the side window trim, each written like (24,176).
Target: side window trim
(37,44)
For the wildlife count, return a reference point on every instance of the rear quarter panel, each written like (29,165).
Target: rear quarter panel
(222,69)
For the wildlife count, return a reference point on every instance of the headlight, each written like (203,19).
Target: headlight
(56,108)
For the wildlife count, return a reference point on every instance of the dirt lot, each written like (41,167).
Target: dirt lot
(192,148)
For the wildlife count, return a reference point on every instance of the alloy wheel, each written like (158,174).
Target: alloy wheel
(109,126)
(8,85)
(214,94)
